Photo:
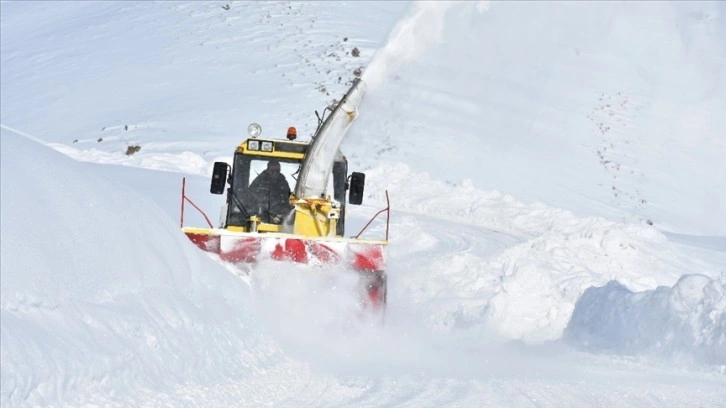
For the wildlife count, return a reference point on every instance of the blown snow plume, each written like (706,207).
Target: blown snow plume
(422,27)
(687,320)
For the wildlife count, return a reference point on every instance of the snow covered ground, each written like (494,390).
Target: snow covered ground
(556,173)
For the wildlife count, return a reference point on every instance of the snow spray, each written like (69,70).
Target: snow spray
(421,28)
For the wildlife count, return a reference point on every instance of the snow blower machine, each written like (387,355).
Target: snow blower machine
(264,217)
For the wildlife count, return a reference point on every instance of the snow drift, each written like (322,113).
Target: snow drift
(101,291)
(686,320)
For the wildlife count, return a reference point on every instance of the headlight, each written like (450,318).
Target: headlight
(254,130)
(253,145)
(266,146)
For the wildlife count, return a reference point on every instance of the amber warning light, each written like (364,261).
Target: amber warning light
(291,133)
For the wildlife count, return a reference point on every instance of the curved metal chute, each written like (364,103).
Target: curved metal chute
(318,163)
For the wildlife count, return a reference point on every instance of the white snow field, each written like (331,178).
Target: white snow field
(556,172)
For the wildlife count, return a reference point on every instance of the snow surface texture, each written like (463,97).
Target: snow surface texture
(555,170)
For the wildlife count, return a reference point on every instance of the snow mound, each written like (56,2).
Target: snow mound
(687,320)
(101,291)
(516,268)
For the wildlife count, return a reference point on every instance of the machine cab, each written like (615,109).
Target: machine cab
(261,181)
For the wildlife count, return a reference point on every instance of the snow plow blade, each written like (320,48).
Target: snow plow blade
(366,257)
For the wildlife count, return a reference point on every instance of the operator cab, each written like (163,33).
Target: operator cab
(270,209)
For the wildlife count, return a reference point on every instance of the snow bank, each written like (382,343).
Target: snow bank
(184,162)
(101,291)
(686,320)
(483,259)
